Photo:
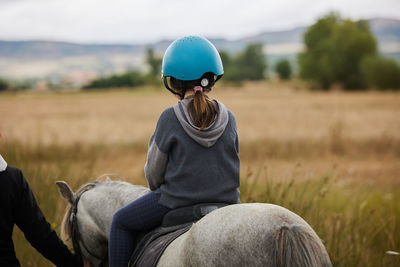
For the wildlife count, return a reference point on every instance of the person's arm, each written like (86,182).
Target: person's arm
(155,166)
(30,219)
(232,117)
(159,146)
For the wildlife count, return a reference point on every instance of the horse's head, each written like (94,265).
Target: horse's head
(75,224)
(88,219)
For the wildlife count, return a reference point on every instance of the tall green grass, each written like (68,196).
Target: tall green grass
(357,222)
(43,166)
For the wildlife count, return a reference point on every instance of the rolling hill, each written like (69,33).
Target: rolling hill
(80,62)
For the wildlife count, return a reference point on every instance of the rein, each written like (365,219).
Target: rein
(75,234)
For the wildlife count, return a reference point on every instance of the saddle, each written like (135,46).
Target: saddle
(151,245)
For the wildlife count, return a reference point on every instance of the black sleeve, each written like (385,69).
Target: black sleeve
(38,231)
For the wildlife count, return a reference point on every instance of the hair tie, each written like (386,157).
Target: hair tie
(198,89)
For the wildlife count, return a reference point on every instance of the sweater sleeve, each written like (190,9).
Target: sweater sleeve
(159,145)
(155,166)
(233,119)
(30,219)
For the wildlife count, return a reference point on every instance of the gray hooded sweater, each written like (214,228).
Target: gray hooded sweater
(187,165)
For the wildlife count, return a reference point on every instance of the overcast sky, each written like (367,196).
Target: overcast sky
(131,21)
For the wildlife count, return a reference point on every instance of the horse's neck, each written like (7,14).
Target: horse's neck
(122,192)
(98,205)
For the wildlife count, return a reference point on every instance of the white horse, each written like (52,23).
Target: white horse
(236,235)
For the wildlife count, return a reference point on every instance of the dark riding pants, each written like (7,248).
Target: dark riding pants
(142,214)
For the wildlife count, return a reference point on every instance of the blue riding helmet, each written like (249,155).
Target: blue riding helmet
(189,58)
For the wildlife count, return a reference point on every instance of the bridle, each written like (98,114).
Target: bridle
(74,227)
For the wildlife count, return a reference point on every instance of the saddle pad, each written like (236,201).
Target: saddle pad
(153,251)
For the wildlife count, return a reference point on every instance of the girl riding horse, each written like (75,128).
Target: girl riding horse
(193,153)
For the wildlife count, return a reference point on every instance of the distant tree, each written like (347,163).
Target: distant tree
(247,65)
(230,67)
(251,63)
(128,79)
(25,84)
(226,60)
(380,72)
(283,68)
(334,49)
(154,62)
(3,85)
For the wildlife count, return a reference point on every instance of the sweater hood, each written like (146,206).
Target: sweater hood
(3,164)
(208,136)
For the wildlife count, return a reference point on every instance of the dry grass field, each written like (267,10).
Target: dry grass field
(333,158)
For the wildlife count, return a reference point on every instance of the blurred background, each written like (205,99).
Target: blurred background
(314,85)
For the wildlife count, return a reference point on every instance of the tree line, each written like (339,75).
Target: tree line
(337,51)
(250,64)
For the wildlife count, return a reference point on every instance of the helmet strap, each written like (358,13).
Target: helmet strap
(182,96)
(218,77)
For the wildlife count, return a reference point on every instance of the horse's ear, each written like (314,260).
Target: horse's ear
(66,191)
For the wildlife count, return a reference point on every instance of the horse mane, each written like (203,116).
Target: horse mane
(65,225)
(66,222)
